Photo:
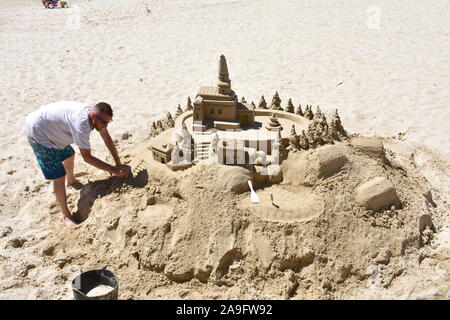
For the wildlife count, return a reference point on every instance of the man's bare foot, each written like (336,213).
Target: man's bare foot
(74,184)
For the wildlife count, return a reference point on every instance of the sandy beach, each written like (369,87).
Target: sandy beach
(383,65)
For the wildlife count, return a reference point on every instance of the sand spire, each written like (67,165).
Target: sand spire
(224,82)
(289,106)
(262,103)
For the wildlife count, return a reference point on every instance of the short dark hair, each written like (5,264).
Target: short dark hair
(104,107)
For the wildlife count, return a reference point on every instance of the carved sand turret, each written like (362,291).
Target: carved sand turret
(276,102)
(337,130)
(318,112)
(178,112)
(310,134)
(327,136)
(189,106)
(308,113)
(262,103)
(274,124)
(293,140)
(153,130)
(290,106)
(320,121)
(168,122)
(303,141)
(318,136)
(299,111)
(293,133)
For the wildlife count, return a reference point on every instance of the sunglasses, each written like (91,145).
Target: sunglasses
(104,122)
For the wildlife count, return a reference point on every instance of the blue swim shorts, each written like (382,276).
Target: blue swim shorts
(50,159)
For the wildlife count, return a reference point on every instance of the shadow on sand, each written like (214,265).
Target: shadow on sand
(100,188)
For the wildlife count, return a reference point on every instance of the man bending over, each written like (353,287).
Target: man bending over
(50,131)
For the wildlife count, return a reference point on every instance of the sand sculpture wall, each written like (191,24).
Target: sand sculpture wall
(282,115)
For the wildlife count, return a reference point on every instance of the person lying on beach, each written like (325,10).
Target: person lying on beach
(46,2)
(50,4)
(50,131)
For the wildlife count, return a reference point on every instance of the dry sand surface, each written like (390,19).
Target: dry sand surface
(188,235)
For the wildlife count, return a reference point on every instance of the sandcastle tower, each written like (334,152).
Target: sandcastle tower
(218,107)
(224,82)
(274,124)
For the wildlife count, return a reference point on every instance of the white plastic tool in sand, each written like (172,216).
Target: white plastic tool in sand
(253,196)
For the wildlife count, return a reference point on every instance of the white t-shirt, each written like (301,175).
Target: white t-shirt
(59,124)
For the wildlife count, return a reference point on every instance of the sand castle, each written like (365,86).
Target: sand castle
(217,128)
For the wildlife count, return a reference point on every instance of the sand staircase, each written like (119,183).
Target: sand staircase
(202,144)
(202,150)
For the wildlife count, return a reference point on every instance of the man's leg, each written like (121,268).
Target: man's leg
(49,159)
(67,155)
(59,189)
(69,165)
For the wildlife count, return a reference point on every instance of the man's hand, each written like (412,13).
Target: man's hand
(120,171)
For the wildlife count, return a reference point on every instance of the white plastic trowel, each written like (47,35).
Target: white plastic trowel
(253,196)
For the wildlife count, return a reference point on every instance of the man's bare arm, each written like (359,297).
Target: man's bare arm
(110,145)
(89,158)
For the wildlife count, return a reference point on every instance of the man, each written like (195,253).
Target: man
(50,131)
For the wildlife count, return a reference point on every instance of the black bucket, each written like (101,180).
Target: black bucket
(89,280)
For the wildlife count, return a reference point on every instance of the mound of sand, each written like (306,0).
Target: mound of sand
(195,234)
(306,168)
